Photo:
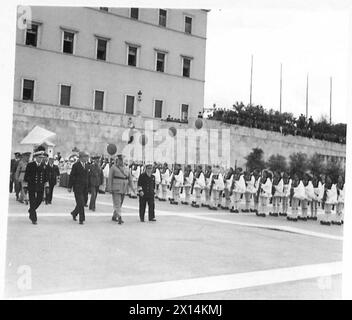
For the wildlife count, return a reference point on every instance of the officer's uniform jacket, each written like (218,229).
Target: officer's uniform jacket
(286,188)
(78,179)
(266,188)
(119,179)
(188,180)
(147,185)
(200,181)
(239,185)
(299,192)
(278,189)
(36,176)
(250,185)
(166,177)
(218,182)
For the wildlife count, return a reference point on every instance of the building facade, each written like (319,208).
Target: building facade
(134,61)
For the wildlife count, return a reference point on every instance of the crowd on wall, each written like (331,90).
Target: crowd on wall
(255,116)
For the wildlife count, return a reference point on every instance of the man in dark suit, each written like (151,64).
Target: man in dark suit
(53,172)
(78,181)
(96,179)
(37,180)
(146,185)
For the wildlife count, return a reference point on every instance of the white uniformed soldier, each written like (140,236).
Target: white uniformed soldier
(277,193)
(297,194)
(340,186)
(250,190)
(309,196)
(217,186)
(227,188)
(329,199)
(208,178)
(286,191)
(237,189)
(198,186)
(187,185)
(265,191)
(176,184)
(165,181)
(135,171)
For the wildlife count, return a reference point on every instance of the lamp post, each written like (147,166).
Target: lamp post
(139,100)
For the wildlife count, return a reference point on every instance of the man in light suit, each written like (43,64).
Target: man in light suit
(120,178)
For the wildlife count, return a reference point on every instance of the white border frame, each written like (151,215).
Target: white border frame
(104,100)
(34,89)
(59,98)
(134,104)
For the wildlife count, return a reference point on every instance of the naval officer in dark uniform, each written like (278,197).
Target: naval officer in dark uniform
(37,180)
(146,186)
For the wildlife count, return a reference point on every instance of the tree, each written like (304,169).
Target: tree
(298,163)
(334,169)
(277,163)
(255,160)
(316,164)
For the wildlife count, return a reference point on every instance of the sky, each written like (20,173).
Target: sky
(304,39)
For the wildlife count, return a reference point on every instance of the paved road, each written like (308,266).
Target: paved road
(184,245)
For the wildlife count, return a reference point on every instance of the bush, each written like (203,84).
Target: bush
(298,163)
(255,160)
(333,169)
(277,163)
(316,164)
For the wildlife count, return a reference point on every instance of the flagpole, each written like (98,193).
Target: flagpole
(307,98)
(250,89)
(330,97)
(280,87)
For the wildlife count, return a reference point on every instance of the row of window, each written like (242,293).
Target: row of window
(98,100)
(133,51)
(134,14)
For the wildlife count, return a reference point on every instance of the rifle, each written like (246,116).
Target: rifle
(194,181)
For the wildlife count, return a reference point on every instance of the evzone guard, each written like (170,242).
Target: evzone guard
(197,186)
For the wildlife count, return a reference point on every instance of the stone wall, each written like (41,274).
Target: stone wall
(93,130)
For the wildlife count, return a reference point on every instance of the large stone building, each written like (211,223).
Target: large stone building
(148,62)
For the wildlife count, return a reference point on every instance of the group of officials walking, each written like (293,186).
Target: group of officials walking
(214,188)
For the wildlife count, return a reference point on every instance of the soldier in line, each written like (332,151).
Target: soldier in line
(340,186)
(265,191)
(277,192)
(96,179)
(146,191)
(329,200)
(318,196)
(217,186)
(286,190)
(297,194)
(119,180)
(19,178)
(237,189)
(36,177)
(78,181)
(135,171)
(176,184)
(227,188)
(165,181)
(250,190)
(197,186)
(309,196)
(188,180)
(208,178)
(257,182)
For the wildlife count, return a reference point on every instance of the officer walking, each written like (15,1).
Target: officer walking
(36,177)
(13,168)
(146,187)
(96,179)
(78,181)
(120,178)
